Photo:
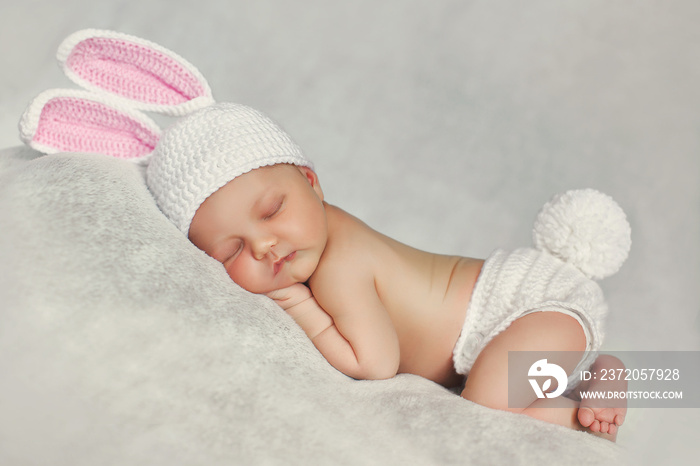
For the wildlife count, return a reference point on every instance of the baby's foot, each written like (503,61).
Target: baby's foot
(601,420)
(604,416)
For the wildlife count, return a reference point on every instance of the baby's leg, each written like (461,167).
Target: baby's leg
(487,383)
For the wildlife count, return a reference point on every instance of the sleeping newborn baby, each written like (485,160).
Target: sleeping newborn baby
(244,193)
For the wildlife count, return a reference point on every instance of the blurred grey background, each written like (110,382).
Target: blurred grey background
(447,124)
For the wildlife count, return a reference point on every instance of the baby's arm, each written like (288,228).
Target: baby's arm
(347,293)
(361,342)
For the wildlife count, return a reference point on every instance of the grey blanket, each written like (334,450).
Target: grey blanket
(121,343)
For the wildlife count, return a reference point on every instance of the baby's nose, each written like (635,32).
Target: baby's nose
(263,246)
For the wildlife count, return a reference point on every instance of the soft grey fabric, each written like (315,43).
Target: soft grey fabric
(121,343)
(445,124)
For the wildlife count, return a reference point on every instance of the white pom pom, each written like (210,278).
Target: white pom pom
(585,228)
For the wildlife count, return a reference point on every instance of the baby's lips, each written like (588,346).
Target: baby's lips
(277,266)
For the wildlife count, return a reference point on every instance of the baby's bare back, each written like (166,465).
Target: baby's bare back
(426,295)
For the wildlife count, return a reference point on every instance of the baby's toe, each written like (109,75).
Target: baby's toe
(612,429)
(619,419)
(595,426)
(604,427)
(586,416)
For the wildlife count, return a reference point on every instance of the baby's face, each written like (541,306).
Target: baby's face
(268,227)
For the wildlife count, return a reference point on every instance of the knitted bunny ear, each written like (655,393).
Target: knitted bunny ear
(140,73)
(61,120)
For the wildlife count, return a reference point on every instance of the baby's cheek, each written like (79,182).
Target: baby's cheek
(236,272)
(248,276)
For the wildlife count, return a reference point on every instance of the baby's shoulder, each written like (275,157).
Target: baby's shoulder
(348,235)
(349,254)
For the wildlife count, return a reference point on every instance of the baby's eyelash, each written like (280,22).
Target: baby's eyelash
(275,209)
(233,254)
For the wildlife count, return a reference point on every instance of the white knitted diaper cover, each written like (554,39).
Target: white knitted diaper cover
(517,283)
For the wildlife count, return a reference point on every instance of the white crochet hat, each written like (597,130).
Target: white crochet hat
(123,75)
(205,150)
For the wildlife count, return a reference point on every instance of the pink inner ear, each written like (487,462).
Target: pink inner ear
(133,71)
(78,125)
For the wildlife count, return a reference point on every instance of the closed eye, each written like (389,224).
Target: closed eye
(233,253)
(274,209)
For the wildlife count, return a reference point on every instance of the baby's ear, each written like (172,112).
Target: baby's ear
(312,178)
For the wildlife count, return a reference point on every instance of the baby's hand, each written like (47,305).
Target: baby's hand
(300,305)
(286,298)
